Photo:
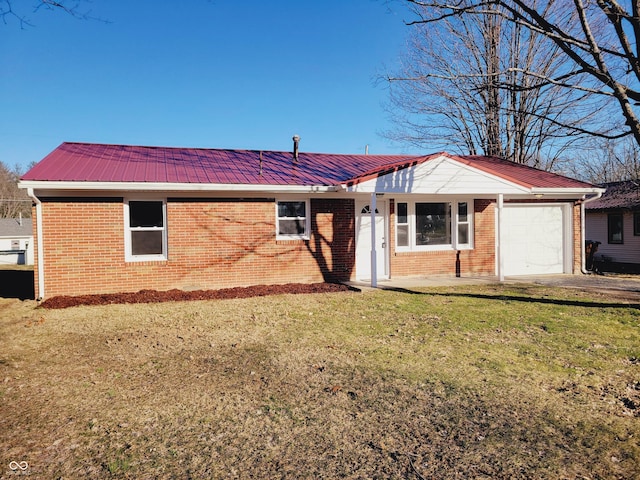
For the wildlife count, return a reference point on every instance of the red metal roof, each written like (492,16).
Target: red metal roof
(85,162)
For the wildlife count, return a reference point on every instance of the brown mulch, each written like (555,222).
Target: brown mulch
(175,295)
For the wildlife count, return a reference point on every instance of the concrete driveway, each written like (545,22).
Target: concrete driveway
(620,286)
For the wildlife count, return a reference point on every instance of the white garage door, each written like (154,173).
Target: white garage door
(533,239)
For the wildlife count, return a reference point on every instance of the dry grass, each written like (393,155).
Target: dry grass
(472,382)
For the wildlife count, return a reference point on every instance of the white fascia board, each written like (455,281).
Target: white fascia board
(567,191)
(172,187)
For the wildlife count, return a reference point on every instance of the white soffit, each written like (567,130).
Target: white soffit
(439,176)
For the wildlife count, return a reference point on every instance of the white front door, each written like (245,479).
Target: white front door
(363,240)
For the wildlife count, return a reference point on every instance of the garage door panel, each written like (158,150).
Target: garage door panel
(533,240)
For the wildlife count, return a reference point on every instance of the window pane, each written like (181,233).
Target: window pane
(615,228)
(403,235)
(463,233)
(291,227)
(145,214)
(462,212)
(636,223)
(432,224)
(402,213)
(291,209)
(146,242)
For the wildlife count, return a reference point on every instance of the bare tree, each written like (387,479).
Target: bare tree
(608,161)
(597,38)
(463,86)
(13,201)
(17,10)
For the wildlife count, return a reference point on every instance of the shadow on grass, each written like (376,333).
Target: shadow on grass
(515,298)
(17,284)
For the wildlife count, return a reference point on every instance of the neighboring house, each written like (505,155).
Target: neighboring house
(115,218)
(614,221)
(16,241)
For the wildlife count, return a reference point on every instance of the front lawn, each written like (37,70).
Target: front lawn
(502,381)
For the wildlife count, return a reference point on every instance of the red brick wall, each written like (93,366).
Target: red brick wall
(578,243)
(479,261)
(211,244)
(217,244)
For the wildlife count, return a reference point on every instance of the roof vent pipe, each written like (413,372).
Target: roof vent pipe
(296,141)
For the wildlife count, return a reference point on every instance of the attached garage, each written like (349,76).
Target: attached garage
(536,239)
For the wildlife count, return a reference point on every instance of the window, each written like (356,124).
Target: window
(636,223)
(292,220)
(463,224)
(433,225)
(402,225)
(614,223)
(145,230)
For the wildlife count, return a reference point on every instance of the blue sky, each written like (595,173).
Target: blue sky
(214,74)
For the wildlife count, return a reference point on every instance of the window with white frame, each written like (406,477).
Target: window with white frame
(292,219)
(433,225)
(402,225)
(463,221)
(146,233)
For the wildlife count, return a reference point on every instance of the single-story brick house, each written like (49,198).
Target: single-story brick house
(111,218)
(614,222)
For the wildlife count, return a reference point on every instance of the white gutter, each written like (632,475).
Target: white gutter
(564,191)
(174,187)
(39,244)
(583,254)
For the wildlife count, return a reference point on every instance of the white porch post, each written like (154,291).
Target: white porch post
(500,251)
(374,257)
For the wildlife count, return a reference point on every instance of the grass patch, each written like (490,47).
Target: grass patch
(505,381)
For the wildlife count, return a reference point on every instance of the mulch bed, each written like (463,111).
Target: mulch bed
(155,296)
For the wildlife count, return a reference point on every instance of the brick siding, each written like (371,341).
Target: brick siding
(225,243)
(211,244)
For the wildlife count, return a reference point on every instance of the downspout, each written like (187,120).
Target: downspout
(39,243)
(583,256)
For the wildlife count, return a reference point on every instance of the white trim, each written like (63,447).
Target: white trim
(380,212)
(567,232)
(453,203)
(174,187)
(565,191)
(128,255)
(307,223)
